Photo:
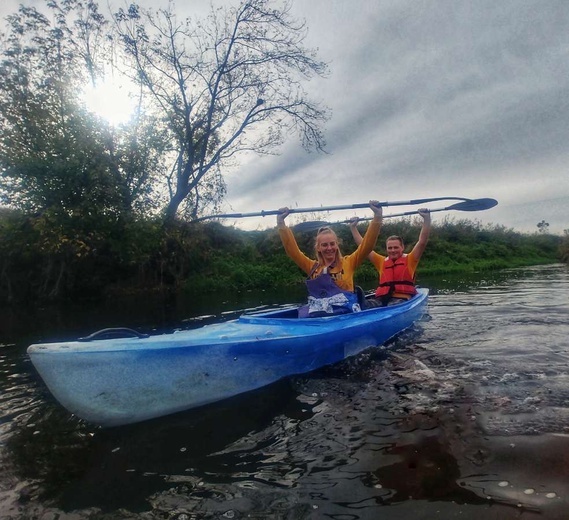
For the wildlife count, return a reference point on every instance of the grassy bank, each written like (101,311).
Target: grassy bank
(455,246)
(41,262)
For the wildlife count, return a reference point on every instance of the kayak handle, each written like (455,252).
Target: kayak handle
(113,333)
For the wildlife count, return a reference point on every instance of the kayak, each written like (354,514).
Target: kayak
(112,381)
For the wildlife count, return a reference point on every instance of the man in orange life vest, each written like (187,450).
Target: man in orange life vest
(397,270)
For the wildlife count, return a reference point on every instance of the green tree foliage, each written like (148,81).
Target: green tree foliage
(208,92)
(82,193)
(48,143)
(77,182)
(54,154)
(222,87)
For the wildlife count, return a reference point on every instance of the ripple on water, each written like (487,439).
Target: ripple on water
(469,411)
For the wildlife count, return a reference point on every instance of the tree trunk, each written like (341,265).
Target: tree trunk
(172,209)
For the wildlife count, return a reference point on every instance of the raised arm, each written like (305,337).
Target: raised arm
(358,239)
(421,244)
(367,243)
(289,242)
(355,231)
(281,215)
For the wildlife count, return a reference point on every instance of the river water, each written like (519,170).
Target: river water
(465,416)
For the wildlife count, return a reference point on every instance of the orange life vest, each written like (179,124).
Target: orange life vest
(396,278)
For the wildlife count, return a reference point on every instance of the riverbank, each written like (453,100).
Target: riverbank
(143,258)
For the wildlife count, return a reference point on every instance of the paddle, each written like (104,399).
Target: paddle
(264,213)
(467,205)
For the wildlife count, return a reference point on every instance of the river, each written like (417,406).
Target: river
(464,416)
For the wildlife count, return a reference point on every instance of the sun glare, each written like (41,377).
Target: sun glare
(110,100)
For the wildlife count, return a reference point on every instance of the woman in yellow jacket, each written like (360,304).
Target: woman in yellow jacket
(330,277)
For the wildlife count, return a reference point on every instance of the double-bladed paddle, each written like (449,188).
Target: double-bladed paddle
(264,213)
(466,205)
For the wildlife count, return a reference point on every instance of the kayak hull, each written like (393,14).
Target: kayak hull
(112,382)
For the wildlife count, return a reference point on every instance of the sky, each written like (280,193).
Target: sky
(429,98)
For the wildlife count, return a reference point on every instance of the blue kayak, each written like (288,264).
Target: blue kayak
(116,381)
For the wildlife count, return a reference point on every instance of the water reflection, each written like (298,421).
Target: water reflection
(465,415)
(80,466)
(425,470)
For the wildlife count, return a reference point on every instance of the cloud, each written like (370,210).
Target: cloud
(429,98)
(446,97)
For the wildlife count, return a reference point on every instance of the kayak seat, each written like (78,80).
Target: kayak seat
(361,296)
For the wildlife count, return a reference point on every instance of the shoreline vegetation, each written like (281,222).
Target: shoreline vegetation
(89,209)
(41,262)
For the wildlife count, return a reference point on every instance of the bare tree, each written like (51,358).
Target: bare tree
(227,85)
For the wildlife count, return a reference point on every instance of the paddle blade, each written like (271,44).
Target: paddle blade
(474,205)
(310,225)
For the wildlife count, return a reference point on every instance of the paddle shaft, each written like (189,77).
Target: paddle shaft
(466,205)
(347,221)
(264,213)
(312,225)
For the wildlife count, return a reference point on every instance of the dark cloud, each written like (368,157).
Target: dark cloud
(429,97)
(453,95)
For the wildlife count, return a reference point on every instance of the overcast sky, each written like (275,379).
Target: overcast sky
(465,98)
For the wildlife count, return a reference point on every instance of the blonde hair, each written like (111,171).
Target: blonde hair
(322,231)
